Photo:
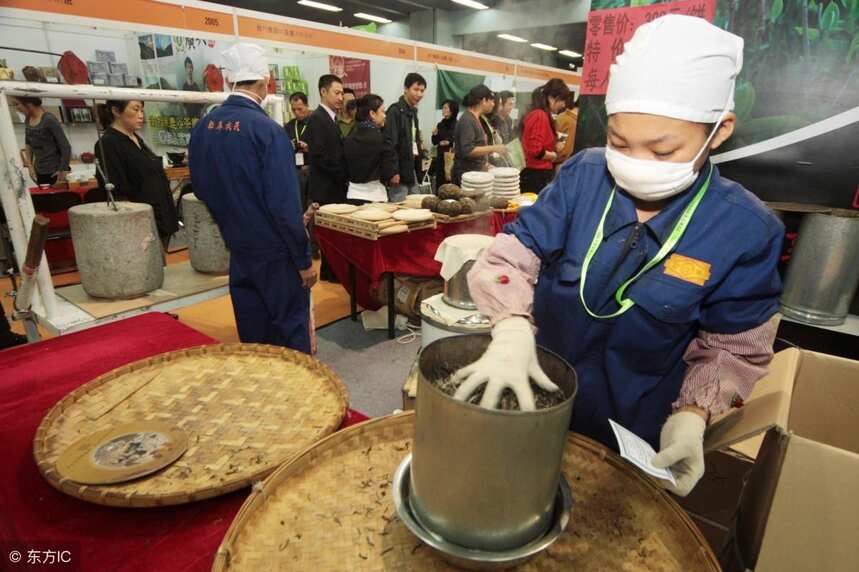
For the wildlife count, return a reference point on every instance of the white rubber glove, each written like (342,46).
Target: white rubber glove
(509,361)
(681,448)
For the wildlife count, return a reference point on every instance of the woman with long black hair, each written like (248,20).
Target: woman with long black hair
(539,137)
(442,138)
(369,155)
(135,171)
(473,147)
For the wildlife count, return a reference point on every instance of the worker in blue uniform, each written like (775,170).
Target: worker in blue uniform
(243,167)
(640,265)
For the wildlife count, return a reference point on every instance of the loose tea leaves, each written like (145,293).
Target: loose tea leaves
(542,399)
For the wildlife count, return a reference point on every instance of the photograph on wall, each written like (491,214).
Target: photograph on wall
(185,68)
(146,43)
(354,72)
(163,45)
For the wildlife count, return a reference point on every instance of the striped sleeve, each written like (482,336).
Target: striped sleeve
(502,280)
(723,368)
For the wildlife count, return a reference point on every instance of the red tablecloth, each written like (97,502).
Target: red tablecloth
(412,254)
(500,219)
(81,190)
(32,513)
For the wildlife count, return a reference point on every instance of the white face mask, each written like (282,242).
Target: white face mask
(650,180)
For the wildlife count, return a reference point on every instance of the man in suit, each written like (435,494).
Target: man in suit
(327,166)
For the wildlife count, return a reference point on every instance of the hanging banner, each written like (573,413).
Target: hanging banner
(354,72)
(454,85)
(176,62)
(609,30)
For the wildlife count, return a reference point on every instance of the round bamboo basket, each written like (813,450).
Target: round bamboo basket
(246,409)
(330,508)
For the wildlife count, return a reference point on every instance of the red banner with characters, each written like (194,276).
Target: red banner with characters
(354,72)
(609,30)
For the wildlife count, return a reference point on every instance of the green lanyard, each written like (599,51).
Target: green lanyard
(673,239)
(298,133)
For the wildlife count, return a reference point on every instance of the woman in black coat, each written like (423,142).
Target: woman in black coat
(370,157)
(135,171)
(442,138)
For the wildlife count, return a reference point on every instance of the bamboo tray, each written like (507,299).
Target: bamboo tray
(446,219)
(330,508)
(246,408)
(365,229)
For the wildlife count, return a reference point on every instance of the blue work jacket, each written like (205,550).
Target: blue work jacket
(721,277)
(243,167)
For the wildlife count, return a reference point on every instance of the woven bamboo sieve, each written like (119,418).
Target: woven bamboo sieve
(246,409)
(330,508)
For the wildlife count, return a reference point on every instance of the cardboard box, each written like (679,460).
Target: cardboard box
(800,507)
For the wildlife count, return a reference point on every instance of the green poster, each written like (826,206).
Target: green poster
(454,85)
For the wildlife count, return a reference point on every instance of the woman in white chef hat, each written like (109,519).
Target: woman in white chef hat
(644,268)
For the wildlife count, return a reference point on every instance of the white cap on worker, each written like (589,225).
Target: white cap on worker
(245,62)
(676,66)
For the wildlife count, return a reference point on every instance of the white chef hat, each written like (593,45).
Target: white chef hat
(245,62)
(676,66)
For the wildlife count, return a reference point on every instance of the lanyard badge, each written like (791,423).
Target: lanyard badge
(675,236)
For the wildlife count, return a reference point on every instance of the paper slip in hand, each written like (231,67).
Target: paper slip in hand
(639,452)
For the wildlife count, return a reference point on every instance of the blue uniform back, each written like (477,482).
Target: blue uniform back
(243,168)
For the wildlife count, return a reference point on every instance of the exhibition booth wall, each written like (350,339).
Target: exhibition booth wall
(149,44)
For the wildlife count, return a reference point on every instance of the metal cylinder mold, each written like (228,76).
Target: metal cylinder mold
(485,479)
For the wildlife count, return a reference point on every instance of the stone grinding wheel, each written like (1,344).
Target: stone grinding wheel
(206,247)
(118,252)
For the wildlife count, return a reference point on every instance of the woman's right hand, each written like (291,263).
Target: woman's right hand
(550,156)
(500,149)
(511,362)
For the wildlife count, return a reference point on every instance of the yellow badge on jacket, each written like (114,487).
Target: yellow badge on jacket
(687,269)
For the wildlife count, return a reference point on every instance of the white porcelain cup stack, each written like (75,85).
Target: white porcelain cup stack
(477,183)
(506,183)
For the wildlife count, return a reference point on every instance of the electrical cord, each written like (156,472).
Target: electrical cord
(412,335)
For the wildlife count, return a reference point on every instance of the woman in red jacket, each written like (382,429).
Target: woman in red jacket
(539,139)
